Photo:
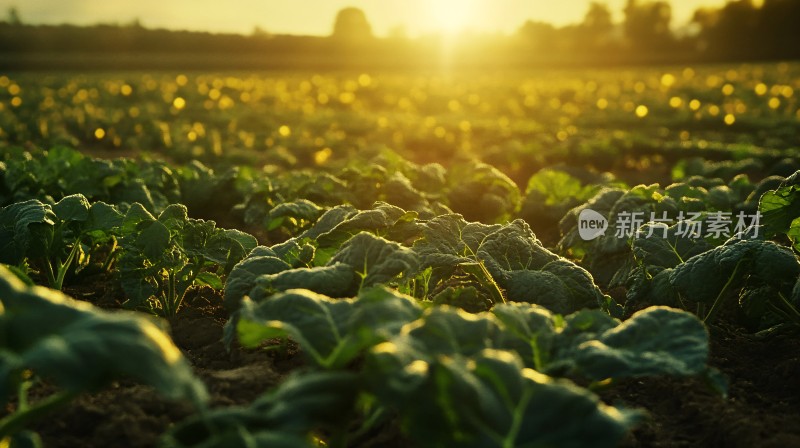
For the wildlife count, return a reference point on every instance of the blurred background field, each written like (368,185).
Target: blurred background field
(622,120)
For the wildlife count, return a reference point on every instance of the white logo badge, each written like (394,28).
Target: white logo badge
(591,224)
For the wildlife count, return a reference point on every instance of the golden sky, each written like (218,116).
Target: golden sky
(315,17)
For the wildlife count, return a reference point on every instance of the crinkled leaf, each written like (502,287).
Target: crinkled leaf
(198,237)
(138,283)
(72,208)
(513,247)
(645,288)
(451,331)
(468,298)
(380,218)
(209,279)
(592,345)
(153,240)
(449,240)
(551,193)
(134,217)
(602,203)
(530,273)
(297,252)
(336,280)
(242,278)
(606,255)
(529,330)
(664,247)
(82,348)
(247,241)
(703,277)
(560,286)
(483,193)
(23,227)
(331,332)
(174,218)
(655,341)
(329,220)
(282,418)
(228,247)
(302,209)
(780,207)
(488,400)
(376,260)
(492,392)
(574,330)
(103,218)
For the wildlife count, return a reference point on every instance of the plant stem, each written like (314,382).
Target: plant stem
(495,288)
(22,395)
(479,271)
(64,267)
(791,312)
(718,301)
(168,306)
(48,272)
(18,420)
(180,287)
(111,255)
(370,421)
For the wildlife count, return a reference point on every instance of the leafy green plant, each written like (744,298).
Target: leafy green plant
(506,262)
(63,171)
(487,378)
(483,193)
(762,272)
(47,336)
(332,332)
(780,210)
(450,261)
(489,400)
(54,239)
(551,193)
(609,257)
(592,345)
(165,256)
(285,417)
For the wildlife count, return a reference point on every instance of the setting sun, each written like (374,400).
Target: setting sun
(451,16)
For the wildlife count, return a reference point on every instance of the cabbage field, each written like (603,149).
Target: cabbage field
(564,258)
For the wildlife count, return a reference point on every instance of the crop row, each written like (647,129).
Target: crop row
(394,303)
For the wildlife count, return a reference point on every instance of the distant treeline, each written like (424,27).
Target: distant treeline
(738,31)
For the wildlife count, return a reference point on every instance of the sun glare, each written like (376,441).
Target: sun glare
(452,16)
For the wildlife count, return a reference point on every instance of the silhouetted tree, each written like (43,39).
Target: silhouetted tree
(647,24)
(259,32)
(729,30)
(778,31)
(597,27)
(13,16)
(351,25)
(539,35)
(136,24)
(598,19)
(741,29)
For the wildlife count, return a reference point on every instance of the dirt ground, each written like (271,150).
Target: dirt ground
(762,409)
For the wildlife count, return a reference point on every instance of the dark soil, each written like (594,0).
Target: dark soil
(762,409)
(130,415)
